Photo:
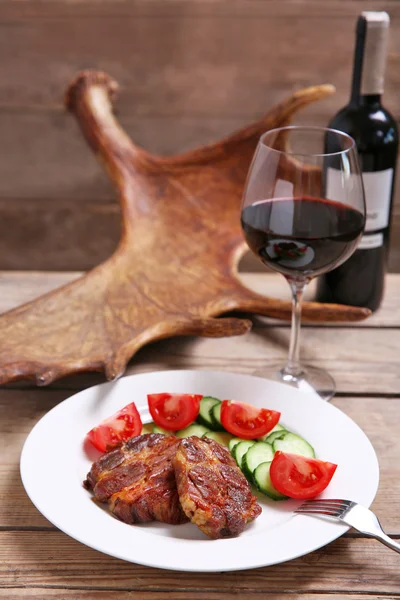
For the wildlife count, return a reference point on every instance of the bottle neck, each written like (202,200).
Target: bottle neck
(371,100)
(369,59)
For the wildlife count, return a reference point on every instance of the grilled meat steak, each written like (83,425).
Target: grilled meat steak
(213,491)
(138,481)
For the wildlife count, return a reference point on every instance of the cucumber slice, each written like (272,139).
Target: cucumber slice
(147,428)
(206,404)
(215,416)
(222,437)
(263,481)
(234,442)
(194,429)
(240,450)
(277,427)
(294,444)
(259,453)
(275,435)
(157,429)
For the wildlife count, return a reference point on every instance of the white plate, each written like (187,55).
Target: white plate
(54,464)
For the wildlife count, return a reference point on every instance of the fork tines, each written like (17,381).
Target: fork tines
(331,506)
(326,501)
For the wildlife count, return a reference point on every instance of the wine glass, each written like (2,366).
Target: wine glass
(303,213)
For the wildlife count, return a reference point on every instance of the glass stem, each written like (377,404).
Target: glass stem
(293,367)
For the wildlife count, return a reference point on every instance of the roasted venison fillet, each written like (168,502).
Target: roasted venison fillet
(138,481)
(213,491)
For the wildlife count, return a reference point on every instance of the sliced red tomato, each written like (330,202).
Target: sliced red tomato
(125,424)
(174,411)
(247,421)
(300,477)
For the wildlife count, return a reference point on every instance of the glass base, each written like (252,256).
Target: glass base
(310,379)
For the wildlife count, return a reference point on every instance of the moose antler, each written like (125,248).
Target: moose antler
(175,268)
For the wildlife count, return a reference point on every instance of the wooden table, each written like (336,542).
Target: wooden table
(38,561)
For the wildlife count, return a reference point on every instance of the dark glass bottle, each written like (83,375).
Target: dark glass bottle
(360,280)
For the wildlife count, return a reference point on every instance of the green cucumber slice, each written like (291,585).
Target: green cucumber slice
(157,429)
(206,404)
(240,450)
(263,481)
(222,437)
(277,427)
(215,416)
(275,435)
(257,454)
(193,429)
(294,444)
(234,442)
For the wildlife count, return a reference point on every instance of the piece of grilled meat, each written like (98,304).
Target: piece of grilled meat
(213,491)
(138,481)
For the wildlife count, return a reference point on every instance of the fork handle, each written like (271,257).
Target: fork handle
(385,539)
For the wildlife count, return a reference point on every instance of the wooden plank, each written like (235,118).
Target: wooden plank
(21,409)
(163,79)
(20,412)
(380,420)
(57,235)
(77,235)
(64,594)
(59,170)
(367,362)
(57,164)
(276,286)
(50,558)
(18,287)
(194,8)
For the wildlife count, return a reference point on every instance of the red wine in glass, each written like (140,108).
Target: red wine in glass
(302,236)
(303,213)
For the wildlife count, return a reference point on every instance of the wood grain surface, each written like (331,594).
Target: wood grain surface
(64,562)
(19,287)
(56,594)
(191,72)
(39,562)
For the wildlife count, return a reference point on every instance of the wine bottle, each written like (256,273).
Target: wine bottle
(360,280)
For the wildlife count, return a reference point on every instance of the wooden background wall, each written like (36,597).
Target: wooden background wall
(190,71)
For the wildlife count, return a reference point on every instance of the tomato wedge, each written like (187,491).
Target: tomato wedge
(174,411)
(118,428)
(247,421)
(300,477)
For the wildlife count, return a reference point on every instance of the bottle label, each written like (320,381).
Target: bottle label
(377,187)
(368,242)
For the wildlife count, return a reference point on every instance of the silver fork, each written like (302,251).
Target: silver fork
(352,514)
